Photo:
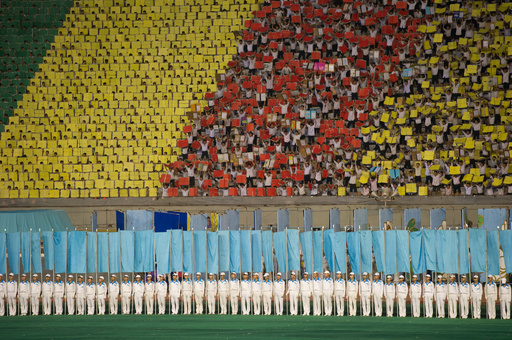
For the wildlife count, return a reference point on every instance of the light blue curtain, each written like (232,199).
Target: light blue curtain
(306,243)
(293,249)
(506,245)
(328,248)
(361,218)
(163,251)
(47,237)
(233,219)
(245,249)
(308,219)
(25,251)
(234,251)
(402,251)
(224,251)
(493,253)
(334,219)
(3,252)
(416,249)
(60,251)
(353,251)
(447,257)
(463,251)
(127,250)
(256,251)
(385,215)
(91,252)
(268,254)
(139,220)
(366,251)
(339,246)
(178,246)
(144,252)
(188,265)
(76,251)
(390,244)
(429,239)
(114,255)
(280,249)
(317,251)
(378,249)
(257,219)
(477,244)
(103,247)
(412,219)
(492,218)
(200,251)
(212,263)
(436,217)
(283,219)
(13,252)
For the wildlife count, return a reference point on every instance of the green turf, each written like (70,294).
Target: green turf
(223,327)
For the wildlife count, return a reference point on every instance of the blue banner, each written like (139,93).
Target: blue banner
(234,251)
(3,252)
(339,247)
(144,252)
(60,251)
(119,220)
(114,255)
(416,249)
(126,249)
(463,251)
(412,219)
(223,222)
(390,244)
(103,246)
(477,244)
(25,251)
(233,219)
(47,237)
(200,251)
(437,216)
(402,251)
(163,252)
(198,222)
(317,252)
(361,218)
(506,245)
(13,252)
(283,219)
(366,251)
(385,216)
(188,266)
(293,249)
(224,251)
(429,242)
(280,249)
(92,250)
(493,253)
(306,242)
(308,219)
(139,220)
(245,250)
(379,249)
(177,252)
(491,219)
(353,251)
(212,262)
(256,251)
(329,256)
(76,251)
(446,251)
(268,252)
(257,219)
(334,220)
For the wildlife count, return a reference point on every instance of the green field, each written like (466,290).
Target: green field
(228,327)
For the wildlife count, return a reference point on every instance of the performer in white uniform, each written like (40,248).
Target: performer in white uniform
(3,294)
(47,290)
(293,294)
(245,287)
(70,294)
(491,295)
(352,289)
(453,297)
(186,291)
(138,294)
(428,296)
(90,291)
(35,294)
(306,289)
(415,297)
(223,289)
(101,294)
(113,295)
(149,294)
(402,290)
(267,289)
(126,293)
(199,293)
(389,295)
(365,291)
(317,294)
(441,291)
(211,293)
(256,294)
(327,292)
(378,294)
(464,297)
(505,299)
(58,294)
(234,293)
(23,293)
(476,297)
(80,296)
(161,294)
(279,289)
(339,294)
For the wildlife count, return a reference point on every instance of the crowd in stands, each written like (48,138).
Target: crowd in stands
(354,98)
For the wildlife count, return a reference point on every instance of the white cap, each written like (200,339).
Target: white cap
(11,274)
(326,272)
(388,277)
(279,274)
(58,275)
(503,280)
(246,273)
(34,275)
(489,276)
(266,275)
(160,275)
(475,276)
(126,276)
(351,273)
(113,275)
(101,277)
(401,277)
(23,275)
(428,275)
(90,277)
(463,277)
(198,273)
(376,274)
(222,274)
(70,276)
(452,275)
(315,272)
(210,274)
(439,276)
(233,273)
(48,275)
(137,276)
(416,276)
(292,273)
(149,275)
(338,272)
(185,274)
(306,273)
(173,274)
(80,277)
(365,273)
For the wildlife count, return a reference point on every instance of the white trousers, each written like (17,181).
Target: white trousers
(440,306)
(2,306)
(267,303)
(317,306)
(390,305)
(34,302)
(160,298)
(23,304)
(113,304)
(327,304)
(71,305)
(306,301)
(377,305)
(211,303)
(491,308)
(175,303)
(80,304)
(352,304)
(256,302)
(125,304)
(477,311)
(452,306)
(402,310)
(428,301)
(464,306)
(294,303)
(246,304)
(11,303)
(223,302)
(187,303)
(90,305)
(57,299)
(505,309)
(365,301)
(137,300)
(198,299)
(233,298)
(415,304)
(278,304)
(150,303)
(101,305)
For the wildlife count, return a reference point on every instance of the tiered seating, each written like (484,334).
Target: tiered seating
(27,29)
(110,101)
